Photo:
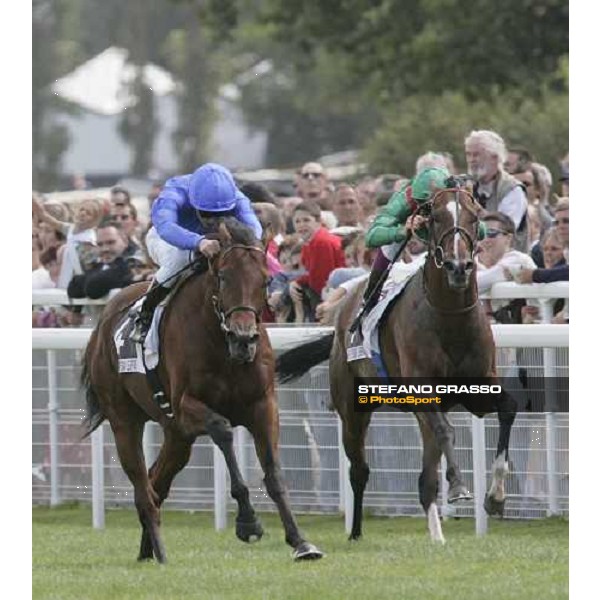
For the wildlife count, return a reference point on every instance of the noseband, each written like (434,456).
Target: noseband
(222,314)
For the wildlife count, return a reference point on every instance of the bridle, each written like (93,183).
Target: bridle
(439,254)
(222,314)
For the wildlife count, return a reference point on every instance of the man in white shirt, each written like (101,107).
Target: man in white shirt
(496,190)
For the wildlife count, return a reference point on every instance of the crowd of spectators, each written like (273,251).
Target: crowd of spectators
(316,239)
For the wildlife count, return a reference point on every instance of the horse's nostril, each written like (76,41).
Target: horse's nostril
(449,265)
(469,265)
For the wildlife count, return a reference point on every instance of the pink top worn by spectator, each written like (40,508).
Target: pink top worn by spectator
(273,265)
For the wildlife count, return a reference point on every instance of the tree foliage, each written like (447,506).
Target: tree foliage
(441,123)
(392,77)
(66,33)
(419,74)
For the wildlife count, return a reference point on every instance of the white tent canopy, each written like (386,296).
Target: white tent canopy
(102,84)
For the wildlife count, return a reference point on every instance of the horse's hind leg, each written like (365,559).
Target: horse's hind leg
(173,456)
(443,432)
(247,525)
(496,496)
(428,482)
(264,427)
(354,432)
(128,439)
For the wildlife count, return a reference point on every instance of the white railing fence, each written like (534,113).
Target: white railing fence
(315,466)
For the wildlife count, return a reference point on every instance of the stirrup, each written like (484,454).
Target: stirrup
(140,330)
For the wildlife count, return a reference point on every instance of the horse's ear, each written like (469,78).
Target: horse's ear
(224,234)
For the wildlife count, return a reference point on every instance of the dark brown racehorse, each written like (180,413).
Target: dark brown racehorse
(217,369)
(437,328)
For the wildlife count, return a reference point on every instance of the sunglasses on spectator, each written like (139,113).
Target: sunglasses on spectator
(121,217)
(311,175)
(494,233)
(107,243)
(564,221)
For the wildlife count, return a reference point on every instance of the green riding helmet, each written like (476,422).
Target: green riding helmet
(427,181)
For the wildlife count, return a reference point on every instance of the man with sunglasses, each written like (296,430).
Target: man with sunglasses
(496,262)
(181,216)
(125,217)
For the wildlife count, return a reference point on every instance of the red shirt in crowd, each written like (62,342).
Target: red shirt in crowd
(321,255)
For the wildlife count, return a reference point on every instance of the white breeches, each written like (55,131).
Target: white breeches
(390,250)
(170,258)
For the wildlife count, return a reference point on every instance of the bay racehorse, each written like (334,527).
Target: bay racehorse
(217,369)
(436,328)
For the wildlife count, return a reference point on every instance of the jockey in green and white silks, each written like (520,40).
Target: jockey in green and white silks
(389,229)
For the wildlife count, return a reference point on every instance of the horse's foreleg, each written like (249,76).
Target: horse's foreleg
(428,483)
(128,441)
(443,432)
(496,495)
(247,525)
(264,427)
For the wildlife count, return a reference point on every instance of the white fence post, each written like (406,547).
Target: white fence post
(148,443)
(98,477)
(220,478)
(478,434)
(342,469)
(53,434)
(551,406)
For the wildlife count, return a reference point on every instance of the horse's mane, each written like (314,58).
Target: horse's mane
(239,232)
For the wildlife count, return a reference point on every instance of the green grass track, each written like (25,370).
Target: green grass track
(395,559)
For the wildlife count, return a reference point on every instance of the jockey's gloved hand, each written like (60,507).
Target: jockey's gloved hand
(415,222)
(209,247)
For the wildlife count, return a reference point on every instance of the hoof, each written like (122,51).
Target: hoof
(354,537)
(306,551)
(141,558)
(459,492)
(249,531)
(493,506)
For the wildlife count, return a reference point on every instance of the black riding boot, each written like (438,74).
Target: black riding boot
(155,295)
(370,297)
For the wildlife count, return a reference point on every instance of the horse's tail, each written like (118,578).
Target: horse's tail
(297,361)
(94,415)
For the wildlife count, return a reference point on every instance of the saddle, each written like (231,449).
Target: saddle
(133,357)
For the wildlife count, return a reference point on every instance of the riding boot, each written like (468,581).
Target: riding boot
(156,294)
(370,296)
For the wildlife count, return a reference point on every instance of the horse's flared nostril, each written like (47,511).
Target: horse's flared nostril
(450,266)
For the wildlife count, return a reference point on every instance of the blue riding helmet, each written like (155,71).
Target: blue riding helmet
(212,189)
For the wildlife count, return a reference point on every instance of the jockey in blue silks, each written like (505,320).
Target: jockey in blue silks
(177,230)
